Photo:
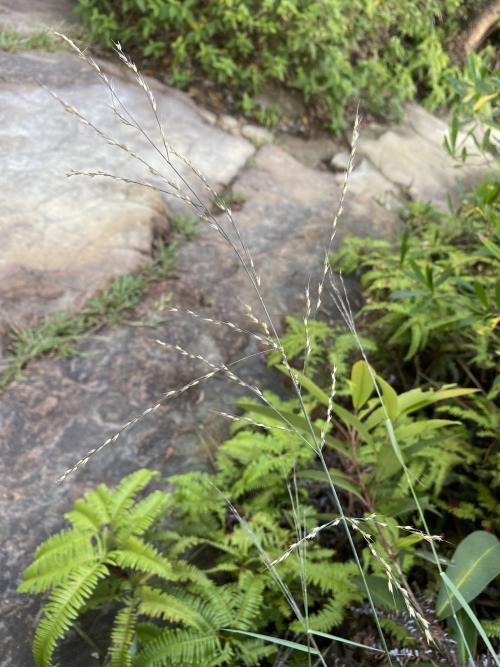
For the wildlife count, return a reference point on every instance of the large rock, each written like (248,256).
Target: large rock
(64,238)
(411,155)
(286,221)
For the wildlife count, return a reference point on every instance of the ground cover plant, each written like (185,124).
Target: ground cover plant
(317,538)
(332,52)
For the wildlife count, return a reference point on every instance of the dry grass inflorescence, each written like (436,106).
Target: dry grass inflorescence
(172,183)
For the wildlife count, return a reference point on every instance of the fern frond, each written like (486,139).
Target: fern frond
(248,600)
(189,648)
(138,555)
(143,514)
(53,568)
(157,604)
(64,542)
(253,652)
(92,511)
(146,632)
(492,628)
(122,635)
(123,495)
(63,607)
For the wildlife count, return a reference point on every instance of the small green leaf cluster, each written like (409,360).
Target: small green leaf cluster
(330,51)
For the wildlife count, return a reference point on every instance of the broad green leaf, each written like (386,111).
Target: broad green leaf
(349,419)
(475,563)
(394,441)
(308,384)
(416,399)
(390,398)
(275,640)
(361,384)
(466,639)
(387,463)
(429,556)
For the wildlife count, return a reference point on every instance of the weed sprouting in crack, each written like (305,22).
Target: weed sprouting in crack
(230,232)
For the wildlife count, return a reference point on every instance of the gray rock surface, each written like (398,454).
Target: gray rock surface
(412,156)
(37,15)
(259,136)
(62,239)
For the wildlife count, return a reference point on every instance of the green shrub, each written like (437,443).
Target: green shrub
(331,51)
(434,298)
(476,112)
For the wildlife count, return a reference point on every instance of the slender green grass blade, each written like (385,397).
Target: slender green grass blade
(334,638)
(276,640)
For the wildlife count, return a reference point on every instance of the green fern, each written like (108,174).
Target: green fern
(183,609)
(492,628)
(142,557)
(124,494)
(179,647)
(63,607)
(123,634)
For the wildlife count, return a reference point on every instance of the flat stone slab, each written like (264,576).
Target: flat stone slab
(37,15)
(64,238)
(286,221)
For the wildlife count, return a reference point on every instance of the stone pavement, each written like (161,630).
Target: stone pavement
(64,238)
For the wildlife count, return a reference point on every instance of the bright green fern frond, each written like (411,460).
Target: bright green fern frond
(92,511)
(183,609)
(123,495)
(54,567)
(252,652)
(143,514)
(63,607)
(248,600)
(122,635)
(138,555)
(146,632)
(189,648)
(67,541)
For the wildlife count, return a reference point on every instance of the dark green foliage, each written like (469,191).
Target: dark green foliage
(434,297)
(331,51)
(476,114)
